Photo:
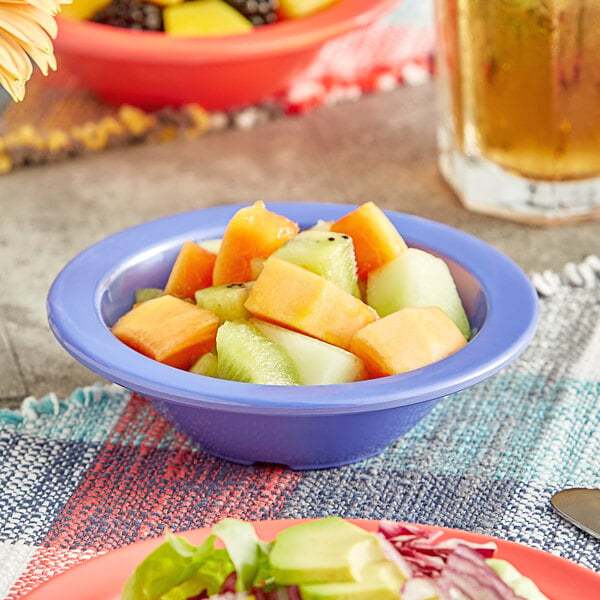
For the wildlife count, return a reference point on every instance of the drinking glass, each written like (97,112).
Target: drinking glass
(519,106)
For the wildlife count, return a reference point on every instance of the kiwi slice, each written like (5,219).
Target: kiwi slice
(244,354)
(317,362)
(226,301)
(326,253)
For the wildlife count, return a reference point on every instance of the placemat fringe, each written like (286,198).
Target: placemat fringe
(50,405)
(583,274)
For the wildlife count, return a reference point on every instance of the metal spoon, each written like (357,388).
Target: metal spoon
(580,506)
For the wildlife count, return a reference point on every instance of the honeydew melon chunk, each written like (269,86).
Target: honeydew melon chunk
(226,301)
(325,253)
(204,18)
(211,245)
(317,362)
(244,354)
(144,294)
(323,551)
(321,225)
(205,365)
(416,278)
(256,266)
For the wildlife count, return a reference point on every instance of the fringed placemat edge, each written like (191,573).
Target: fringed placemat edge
(50,406)
(583,274)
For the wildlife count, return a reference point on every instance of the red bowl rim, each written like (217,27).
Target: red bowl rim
(85,37)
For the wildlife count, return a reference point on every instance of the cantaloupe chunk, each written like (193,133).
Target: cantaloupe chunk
(191,271)
(253,232)
(407,339)
(289,295)
(168,329)
(376,240)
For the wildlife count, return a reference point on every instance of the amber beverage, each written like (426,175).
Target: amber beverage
(519,98)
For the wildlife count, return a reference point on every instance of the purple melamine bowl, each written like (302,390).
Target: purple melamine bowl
(303,427)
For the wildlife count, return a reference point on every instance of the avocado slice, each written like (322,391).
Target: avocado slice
(380,580)
(331,558)
(324,550)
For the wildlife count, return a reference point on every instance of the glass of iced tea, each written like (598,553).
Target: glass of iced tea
(519,104)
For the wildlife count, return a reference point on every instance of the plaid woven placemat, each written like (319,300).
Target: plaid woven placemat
(59,120)
(102,469)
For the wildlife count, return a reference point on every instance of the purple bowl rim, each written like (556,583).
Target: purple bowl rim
(73,306)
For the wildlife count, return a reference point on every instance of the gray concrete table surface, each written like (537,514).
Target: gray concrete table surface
(381,148)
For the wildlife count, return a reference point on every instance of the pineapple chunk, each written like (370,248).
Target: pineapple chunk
(294,9)
(204,18)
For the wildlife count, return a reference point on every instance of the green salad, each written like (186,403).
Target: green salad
(327,559)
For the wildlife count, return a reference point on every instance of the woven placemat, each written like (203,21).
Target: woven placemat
(102,468)
(59,120)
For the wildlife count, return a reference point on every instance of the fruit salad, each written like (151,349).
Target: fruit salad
(327,559)
(193,17)
(267,303)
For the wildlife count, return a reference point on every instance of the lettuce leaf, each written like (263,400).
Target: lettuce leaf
(210,577)
(246,551)
(175,562)
(177,569)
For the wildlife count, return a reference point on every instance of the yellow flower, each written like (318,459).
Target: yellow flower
(27,28)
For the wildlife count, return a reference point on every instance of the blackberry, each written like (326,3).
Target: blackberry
(131,14)
(258,12)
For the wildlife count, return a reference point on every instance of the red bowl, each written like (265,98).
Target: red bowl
(150,69)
